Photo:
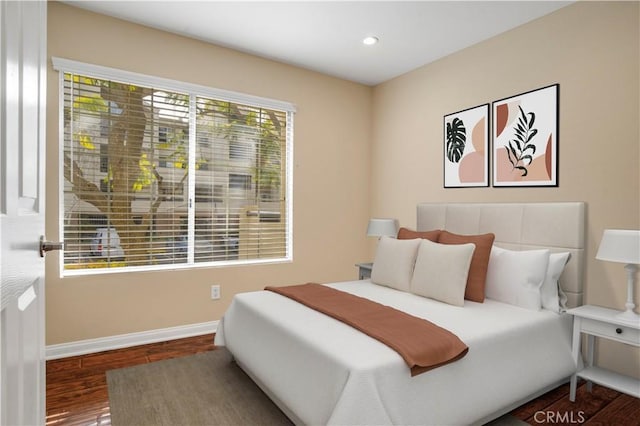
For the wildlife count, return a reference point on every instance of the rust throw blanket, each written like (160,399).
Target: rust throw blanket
(422,344)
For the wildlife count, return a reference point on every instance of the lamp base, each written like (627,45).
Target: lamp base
(629,316)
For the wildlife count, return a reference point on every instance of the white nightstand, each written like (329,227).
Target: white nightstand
(595,321)
(364,270)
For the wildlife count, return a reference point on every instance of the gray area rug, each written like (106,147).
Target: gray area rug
(202,389)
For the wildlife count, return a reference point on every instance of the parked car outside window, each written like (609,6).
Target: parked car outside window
(106,243)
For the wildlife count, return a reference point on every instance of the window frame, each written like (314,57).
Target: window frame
(193,90)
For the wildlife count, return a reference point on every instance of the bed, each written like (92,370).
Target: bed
(321,371)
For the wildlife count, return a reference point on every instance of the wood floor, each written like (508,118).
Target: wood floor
(77,390)
(77,386)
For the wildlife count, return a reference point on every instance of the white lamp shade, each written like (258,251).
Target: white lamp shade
(382,228)
(619,245)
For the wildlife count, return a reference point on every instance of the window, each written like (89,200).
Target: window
(162,174)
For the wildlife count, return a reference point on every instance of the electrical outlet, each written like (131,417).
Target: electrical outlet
(215,292)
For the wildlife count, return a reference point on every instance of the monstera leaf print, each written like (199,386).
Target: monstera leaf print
(520,149)
(456,140)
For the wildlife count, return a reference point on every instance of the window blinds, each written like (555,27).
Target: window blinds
(157,177)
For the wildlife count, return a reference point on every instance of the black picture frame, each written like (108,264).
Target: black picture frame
(466,148)
(525,139)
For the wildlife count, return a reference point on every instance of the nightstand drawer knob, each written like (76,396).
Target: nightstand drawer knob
(619,330)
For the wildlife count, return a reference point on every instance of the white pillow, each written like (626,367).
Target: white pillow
(515,277)
(551,292)
(393,264)
(441,271)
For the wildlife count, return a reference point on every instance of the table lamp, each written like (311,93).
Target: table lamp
(623,246)
(382,228)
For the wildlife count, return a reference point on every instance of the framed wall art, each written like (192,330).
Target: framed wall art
(466,148)
(525,139)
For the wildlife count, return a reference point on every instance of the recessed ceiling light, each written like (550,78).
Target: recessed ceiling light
(370,40)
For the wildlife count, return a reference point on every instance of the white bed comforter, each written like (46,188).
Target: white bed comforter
(326,372)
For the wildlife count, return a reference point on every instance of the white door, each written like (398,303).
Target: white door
(22,128)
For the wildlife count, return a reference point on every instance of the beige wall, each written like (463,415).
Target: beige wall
(592,50)
(331,179)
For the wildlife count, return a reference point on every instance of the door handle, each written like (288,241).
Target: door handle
(46,246)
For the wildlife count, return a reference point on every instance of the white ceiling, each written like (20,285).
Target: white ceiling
(326,36)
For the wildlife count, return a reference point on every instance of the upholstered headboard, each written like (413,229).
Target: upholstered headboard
(519,226)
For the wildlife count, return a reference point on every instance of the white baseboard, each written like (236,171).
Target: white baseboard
(89,346)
